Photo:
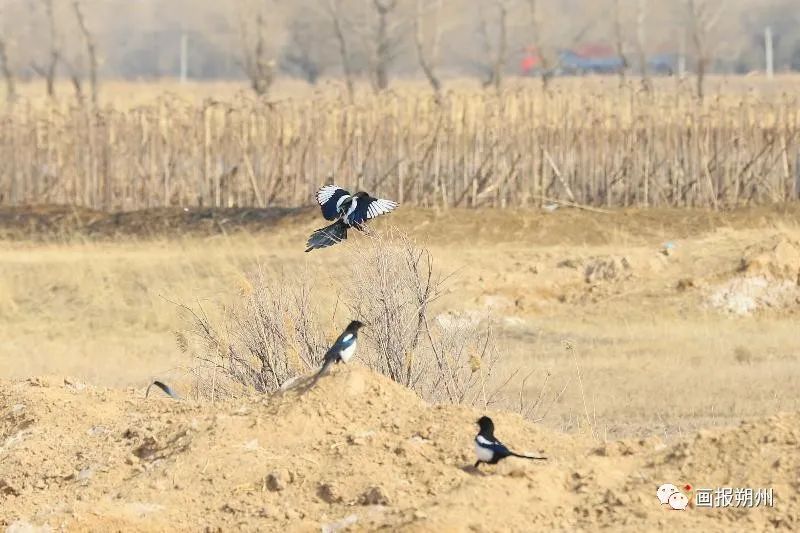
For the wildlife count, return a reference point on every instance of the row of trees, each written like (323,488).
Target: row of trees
(371,36)
(80,66)
(375,39)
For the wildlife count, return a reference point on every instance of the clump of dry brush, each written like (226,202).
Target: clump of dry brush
(268,337)
(274,333)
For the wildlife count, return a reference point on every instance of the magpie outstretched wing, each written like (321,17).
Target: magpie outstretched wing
(328,197)
(368,207)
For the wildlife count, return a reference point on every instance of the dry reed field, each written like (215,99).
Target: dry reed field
(588,142)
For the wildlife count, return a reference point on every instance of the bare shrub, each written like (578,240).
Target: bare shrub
(392,286)
(541,405)
(273,334)
(270,336)
(450,358)
(465,353)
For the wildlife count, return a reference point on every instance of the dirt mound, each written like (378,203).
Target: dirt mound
(357,451)
(45,220)
(582,280)
(768,278)
(778,259)
(746,295)
(63,222)
(610,268)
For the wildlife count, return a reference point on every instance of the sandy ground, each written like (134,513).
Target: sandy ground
(357,452)
(681,321)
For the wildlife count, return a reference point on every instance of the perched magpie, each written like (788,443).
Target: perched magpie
(490,450)
(343,348)
(348,210)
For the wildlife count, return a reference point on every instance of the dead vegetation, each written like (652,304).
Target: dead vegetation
(520,146)
(268,338)
(274,334)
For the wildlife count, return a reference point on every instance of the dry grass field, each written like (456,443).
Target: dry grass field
(656,356)
(637,256)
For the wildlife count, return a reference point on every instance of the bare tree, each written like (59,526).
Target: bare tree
(49,70)
(549,60)
(334,11)
(8,76)
(495,52)
(641,14)
(702,21)
(619,42)
(302,53)
(91,50)
(545,65)
(428,58)
(75,78)
(383,52)
(258,65)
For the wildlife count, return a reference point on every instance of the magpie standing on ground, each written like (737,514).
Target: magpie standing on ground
(490,450)
(343,348)
(348,210)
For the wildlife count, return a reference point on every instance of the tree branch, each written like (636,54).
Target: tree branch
(91,50)
(428,62)
(336,19)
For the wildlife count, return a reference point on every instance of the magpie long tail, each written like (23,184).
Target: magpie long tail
(528,456)
(327,236)
(322,371)
(164,387)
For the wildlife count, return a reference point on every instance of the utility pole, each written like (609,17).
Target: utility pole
(768,52)
(184,56)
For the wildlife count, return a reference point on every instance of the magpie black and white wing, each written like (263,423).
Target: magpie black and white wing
(368,208)
(497,447)
(342,342)
(328,198)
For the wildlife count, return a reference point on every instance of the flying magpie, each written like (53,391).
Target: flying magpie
(343,348)
(490,450)
(348,210)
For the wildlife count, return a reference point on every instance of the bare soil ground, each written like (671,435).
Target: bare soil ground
(358,452)
(682,321)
